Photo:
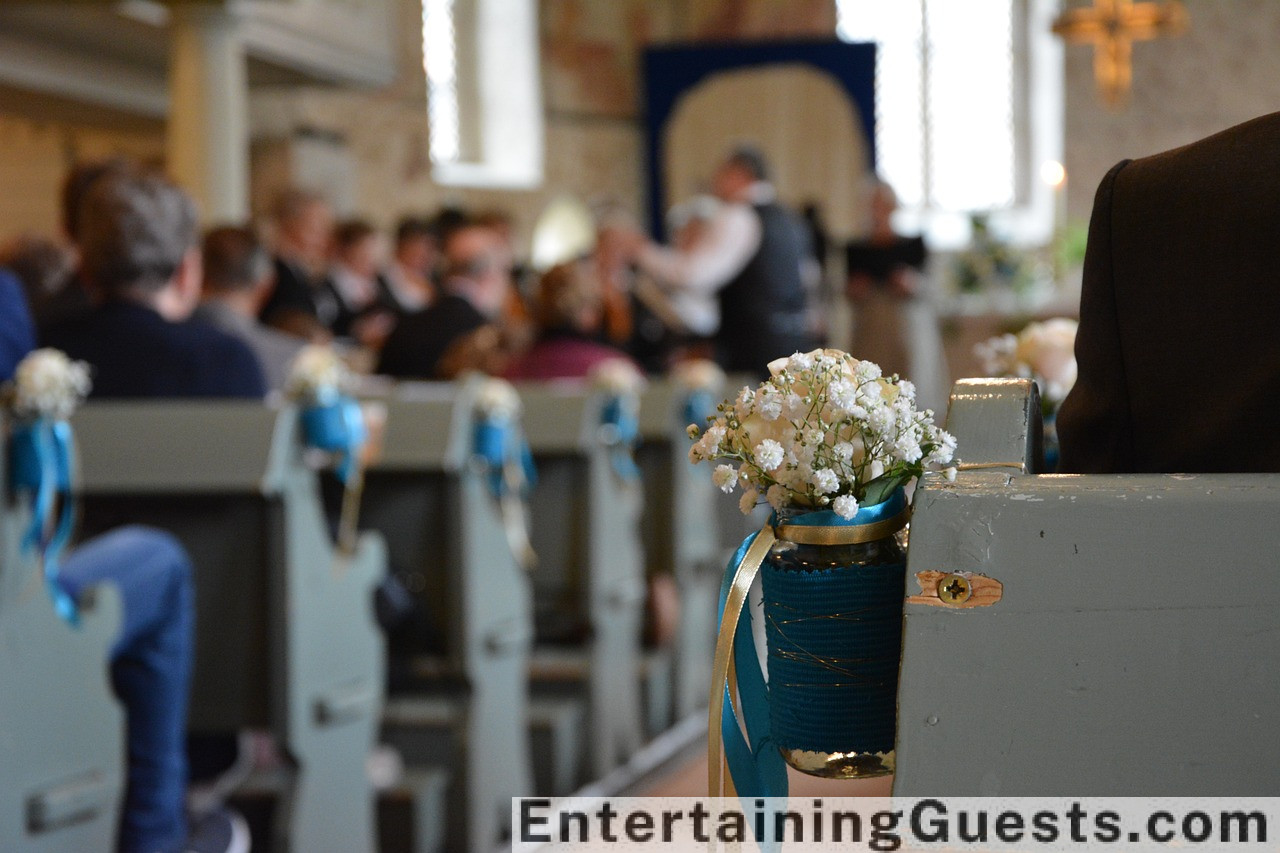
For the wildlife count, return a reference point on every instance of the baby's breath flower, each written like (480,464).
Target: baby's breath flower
(846,506)
(748,501)
(725,477)
(769,454)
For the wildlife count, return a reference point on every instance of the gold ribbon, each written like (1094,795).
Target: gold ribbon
(511,507)
(722,669)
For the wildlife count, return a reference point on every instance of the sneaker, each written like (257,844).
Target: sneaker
(221,831)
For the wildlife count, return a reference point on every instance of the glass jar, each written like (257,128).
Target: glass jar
(833,624)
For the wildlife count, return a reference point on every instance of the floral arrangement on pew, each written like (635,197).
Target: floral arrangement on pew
(702,380)
(45,391)
(1045,352)
(332,422)
(830,444)
(620,382)
(500,443)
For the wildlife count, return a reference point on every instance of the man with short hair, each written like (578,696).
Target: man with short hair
(238,276)
(753,267)
(139,257)
(476,285)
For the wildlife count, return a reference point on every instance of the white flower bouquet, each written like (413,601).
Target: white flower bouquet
(497,400)
(617,376)
(1042,351)
(318,376)
(825,431)
(698,374)
(48,384)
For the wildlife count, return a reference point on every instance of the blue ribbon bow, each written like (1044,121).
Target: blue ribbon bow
(626,428)
(503,447)
(40,462)
(336,425)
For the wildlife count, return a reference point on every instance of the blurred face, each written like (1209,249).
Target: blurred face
(309,230)
(730,182)
(417,254)
(364,257)
(883,205)
(488,290)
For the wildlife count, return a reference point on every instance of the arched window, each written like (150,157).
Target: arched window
(968,108)
(484,98)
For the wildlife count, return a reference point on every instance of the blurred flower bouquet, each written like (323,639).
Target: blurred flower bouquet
(824,431)
(1044,352)
(990,263)
(47,384)
(499,441)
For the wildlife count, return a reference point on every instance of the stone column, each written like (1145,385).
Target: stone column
(208,138)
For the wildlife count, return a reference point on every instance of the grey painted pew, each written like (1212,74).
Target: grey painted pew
(681,528)
(61,730)
(589,584)
(285,634)
(429,496)
(1128,653)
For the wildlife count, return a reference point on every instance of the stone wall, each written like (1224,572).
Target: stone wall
(1224,70)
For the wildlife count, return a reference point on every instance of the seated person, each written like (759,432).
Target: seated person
(570,315)
(238,276)
(151,659)
(461,330)
(140,258)
(356,285)
(1179,303)
(408,285)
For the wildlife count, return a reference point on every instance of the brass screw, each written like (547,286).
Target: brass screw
(954,589)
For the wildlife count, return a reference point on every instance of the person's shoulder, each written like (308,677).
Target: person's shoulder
(1249,146)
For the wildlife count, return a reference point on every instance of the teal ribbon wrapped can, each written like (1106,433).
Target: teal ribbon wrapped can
(833,593)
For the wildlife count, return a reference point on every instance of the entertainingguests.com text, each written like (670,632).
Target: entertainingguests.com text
(882,824)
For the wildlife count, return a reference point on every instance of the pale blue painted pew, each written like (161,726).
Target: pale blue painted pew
(589,588)
(61,729)
(681,526)
(429,495)
(285,635)
(1128,654)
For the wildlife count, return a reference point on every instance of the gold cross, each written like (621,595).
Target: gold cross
(1112,26)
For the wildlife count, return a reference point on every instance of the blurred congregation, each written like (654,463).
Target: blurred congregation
(520,247)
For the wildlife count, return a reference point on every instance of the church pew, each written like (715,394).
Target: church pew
(61,729)
(1126,653)
(589,583)
(285,632)
(680,526)
(429,495)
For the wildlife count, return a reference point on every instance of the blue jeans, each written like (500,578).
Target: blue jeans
(150,671)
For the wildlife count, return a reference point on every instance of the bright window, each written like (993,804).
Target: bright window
(484,98)
(956,131)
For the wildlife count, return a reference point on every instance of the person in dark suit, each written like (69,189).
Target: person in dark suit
(300,304)
(140,258)
(460,330)
(1179,370)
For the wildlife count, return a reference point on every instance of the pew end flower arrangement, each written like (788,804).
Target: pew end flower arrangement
(830,443)
(46,390)
(332,424)
(1044,352)
(499,443)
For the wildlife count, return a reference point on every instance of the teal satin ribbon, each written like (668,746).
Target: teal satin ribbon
(755,765)
(40,463)
(626,427)
(503,447)
(335,424)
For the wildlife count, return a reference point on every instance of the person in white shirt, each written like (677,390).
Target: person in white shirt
(753,263)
